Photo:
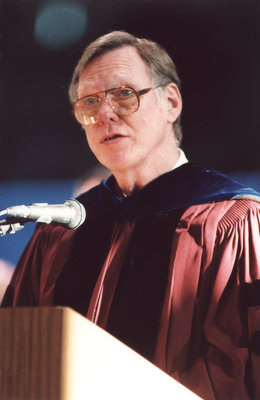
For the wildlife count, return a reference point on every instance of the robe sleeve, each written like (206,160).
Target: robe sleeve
(209,338)
(232,325)
(38,268)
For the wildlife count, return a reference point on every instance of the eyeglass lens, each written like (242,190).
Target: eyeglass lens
(122,100)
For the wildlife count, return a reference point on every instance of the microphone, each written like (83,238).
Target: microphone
(71,213)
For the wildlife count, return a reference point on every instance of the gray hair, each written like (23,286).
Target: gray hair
(159,63)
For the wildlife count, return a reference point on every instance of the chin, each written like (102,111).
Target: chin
(117,163)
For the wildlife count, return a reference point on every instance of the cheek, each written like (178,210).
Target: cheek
(145,122)
(89,137)
(139,121)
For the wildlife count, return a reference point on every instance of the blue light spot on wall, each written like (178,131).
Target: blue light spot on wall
(60,25)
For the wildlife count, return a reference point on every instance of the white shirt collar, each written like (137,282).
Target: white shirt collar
(181,160)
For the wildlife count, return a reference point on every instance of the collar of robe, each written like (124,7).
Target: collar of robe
(183,187)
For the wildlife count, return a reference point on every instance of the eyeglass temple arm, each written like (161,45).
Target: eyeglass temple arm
(143,91)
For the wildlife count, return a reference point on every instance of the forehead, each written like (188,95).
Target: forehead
(122,66)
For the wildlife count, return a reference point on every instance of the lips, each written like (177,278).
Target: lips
(112,137)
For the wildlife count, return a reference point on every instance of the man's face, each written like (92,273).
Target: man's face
(138,140)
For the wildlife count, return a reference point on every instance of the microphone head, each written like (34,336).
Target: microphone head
(78,214)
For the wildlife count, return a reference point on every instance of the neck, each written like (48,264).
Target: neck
(134,179)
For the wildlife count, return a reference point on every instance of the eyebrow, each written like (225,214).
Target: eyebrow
(119,81)
(112,87)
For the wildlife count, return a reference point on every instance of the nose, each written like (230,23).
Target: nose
(106,113)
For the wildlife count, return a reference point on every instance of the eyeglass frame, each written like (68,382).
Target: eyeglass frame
(138,94)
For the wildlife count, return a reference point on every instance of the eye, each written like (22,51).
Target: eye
(125,92)
(91,101)
(122,93)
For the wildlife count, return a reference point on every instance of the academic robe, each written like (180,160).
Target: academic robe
(172,271)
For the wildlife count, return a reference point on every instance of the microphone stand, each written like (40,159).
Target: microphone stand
(9,225)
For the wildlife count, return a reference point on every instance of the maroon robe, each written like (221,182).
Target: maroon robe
(180,287)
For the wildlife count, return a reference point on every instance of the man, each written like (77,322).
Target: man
(168,260)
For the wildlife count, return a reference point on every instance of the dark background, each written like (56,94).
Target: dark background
(215,44)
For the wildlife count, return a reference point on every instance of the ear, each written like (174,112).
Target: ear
(174,101)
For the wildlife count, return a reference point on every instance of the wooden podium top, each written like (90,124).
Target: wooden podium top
(55,353)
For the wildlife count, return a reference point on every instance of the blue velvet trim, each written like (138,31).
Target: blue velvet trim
(178,189)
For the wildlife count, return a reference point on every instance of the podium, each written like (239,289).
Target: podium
(55,353)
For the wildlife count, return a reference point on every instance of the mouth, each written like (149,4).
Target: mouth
(111,138)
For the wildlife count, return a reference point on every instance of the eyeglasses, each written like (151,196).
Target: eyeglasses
(123,100)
